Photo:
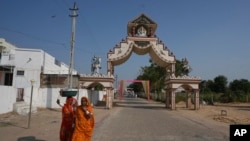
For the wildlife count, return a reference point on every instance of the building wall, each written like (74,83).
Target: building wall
(8,98)
(7,57)
(53,66)
(29,61)
(33,62)
(43,97)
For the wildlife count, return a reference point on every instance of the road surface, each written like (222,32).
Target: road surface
(135,119)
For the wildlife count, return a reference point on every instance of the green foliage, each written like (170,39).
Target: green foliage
(137,87)
(99,86)
(242,85)
(216,90)
(180,97)
(220,84)
(210,85)
(156,76)
(178,68)
(226,98)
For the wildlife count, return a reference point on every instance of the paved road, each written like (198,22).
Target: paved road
(140,120)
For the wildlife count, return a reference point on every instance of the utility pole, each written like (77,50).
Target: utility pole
(72,43)
(32,85)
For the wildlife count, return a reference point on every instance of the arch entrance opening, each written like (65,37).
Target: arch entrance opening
(145,84)
(189,84)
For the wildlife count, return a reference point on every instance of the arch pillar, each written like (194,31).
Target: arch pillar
(167,103)
(109,102)
(172,96)
(110,68)
(196,99)
(188,100)
(170,99)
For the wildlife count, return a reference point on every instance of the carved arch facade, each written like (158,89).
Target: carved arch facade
(141,39)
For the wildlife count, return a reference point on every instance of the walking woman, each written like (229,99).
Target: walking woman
(84,122)
(68,117)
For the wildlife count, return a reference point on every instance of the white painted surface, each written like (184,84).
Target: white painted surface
(33,62)
(7,98)
(42,97)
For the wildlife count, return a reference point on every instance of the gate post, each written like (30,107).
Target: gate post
(172,99)
(196,100)
(109,102)
(167,99)
(188,100)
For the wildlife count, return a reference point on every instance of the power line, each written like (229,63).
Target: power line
(32,37)
(88,30)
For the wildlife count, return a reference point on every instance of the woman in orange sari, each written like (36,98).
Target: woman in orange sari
(84,122)
(68,117)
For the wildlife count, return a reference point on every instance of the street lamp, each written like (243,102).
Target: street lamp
(32,83)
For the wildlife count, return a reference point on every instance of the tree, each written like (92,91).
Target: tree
(240,85)
(220,84)
(210,85)
(98,86)
(137,87)
(156,75)
(178,68)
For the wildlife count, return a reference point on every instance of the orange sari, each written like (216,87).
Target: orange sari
(84,125)
(68,114)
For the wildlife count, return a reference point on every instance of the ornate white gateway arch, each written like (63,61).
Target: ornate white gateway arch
(141,39)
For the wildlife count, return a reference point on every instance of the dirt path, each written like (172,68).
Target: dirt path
(230,113)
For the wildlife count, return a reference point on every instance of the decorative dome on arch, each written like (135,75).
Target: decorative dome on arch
(141,26)
(141,39)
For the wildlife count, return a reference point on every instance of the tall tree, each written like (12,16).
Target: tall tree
(220,84)
(210,85)
(156,75)
(240,85)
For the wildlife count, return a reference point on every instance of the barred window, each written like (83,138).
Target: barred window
(20,72)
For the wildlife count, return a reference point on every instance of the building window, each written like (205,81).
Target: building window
(20,72)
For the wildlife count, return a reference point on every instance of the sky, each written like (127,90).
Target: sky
(214,35)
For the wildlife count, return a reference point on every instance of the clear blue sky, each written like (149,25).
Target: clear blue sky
(214,35)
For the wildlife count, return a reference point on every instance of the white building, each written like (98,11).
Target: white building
(18,66)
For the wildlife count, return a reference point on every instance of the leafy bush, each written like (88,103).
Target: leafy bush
(226,98)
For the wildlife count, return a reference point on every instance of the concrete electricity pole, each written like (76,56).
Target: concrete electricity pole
(73,16)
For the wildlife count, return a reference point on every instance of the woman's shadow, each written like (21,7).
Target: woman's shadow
(29,138)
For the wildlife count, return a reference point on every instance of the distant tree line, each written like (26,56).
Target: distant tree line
(216,90)
(219,90)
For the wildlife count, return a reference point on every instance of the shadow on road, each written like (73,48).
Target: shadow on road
(29,138)
(139,103)
(2,124)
